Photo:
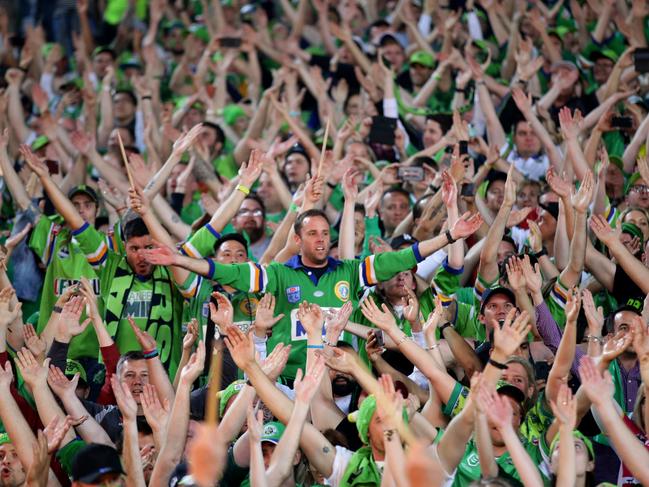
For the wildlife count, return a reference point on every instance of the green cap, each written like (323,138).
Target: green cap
(582,437)
(226,394)
(40,142)
(560,31)
(4,438)
(633,230)
(100,49)
(616,161)
(232,113)
(200,31)
(422,57)
(634,178)
(73,367)
(603,53)
(273,432)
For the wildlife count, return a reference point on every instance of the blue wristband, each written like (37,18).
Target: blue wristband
(317,347)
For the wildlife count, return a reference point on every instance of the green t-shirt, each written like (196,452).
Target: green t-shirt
(291,283)
(154,302)
(66,263)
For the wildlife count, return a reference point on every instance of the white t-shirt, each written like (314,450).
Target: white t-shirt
(343,456)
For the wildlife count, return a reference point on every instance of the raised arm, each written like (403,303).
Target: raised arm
(14,183)
(346,243)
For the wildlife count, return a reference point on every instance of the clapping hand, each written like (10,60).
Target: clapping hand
(265,317)
(508,338)
(33,372)
(381,317)
(312,318)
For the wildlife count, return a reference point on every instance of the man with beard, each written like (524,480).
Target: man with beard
(251,219)
(311,274)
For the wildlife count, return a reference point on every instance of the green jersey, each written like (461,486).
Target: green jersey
(292,282)
(154,302)
(468,470)
(66,263)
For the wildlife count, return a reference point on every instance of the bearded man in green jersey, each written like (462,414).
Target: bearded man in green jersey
(312,275)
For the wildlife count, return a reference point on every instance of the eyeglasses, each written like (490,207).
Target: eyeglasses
(244,212)
(640,188)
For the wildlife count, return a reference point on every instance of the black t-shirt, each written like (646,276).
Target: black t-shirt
(624,288)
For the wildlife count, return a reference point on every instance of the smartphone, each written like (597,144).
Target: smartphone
(230,42)
(382,131)
(380,341)
(641,59)
(468,190)
(52,166)
(464,147)
(411,173)
(622,122)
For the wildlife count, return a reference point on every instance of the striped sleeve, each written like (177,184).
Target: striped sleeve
(249,277)
(201,244)
(367,272)
(92,243)
(258,278)
(190,287)
(447,282)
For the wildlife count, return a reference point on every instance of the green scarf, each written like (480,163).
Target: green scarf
(361,470)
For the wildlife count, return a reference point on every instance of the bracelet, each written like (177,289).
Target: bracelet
(403,339)
(540,253)
(293,114)
(432,347)
(498,365)
(480,82)
(450,237)
(387,434)
(151,354)
(245,190)
(327,342)
(294,208)
(331,185)
(444,327)
(460,90)
(593,337)
(121,209)
(57,309)
(146,97)
(315,347)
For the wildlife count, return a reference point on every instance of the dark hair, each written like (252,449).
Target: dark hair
(445,121)
(220,135)
(420,204)
(359,209)
(396,190)
(133,355)
(229,237)
(129,93)
(257,198)
(135,228)
(299,221)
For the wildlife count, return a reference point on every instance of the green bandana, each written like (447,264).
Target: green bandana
(365,413)
(361,469)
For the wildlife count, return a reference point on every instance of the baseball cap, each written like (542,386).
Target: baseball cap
(490,293)
(297,149)
(603,53)
(507,389)
(634,178)
(83,189)
(73,367)
(386,38)
(632,304)
(40,142)
(93,461)
(564,64)
(402,240)
(100,49)
(273,432)
(200,31)
(4,438)
(422,57)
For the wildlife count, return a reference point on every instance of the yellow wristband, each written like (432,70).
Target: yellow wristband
(243,189)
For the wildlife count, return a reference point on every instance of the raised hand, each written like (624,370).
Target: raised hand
(573,305)
(56,430)
(336,321)
(306,387)
(390,411)
(68,324)
(602,230)
(571,125)
(185,141)
(372,347)
(160,255)
(146,341)
(599,388)
(311,317)
(510,188)
(559,185)
(449,190)
(411,310)
(581,199)
(241,347)
(565,407)
(466,225)
(616,345)
(515,274)
(250,172)
(276,361)
(125,401)
(92,310)
(33,372)
(523,101)
(381,317)
(342,361)
(255,422)
(533,276)
(156,413)
(223,315)
(34,162)
(34,343)
(497,408)
(594,315)
(191,335)
(350,188)
(8,315)
(138,201)
(6,377)
(60,384)
(265,317)
(194,367)
(513,332)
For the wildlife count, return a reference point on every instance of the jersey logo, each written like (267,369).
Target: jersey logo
(297,329)
(248,306)
(293,294)
(472,460)
(341,289)
(60,285)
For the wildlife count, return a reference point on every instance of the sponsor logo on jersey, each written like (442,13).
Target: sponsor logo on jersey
(293,294)
(138,304)
(249,306)
(341,290)
(472,460)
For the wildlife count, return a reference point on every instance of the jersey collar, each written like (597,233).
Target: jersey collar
(295,262)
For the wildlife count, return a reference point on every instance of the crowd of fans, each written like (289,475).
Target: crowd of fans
(394,243)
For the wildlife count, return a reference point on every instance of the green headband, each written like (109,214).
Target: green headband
(363,417)
(4,438)
(226,394)
(634,231)
(582,437)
